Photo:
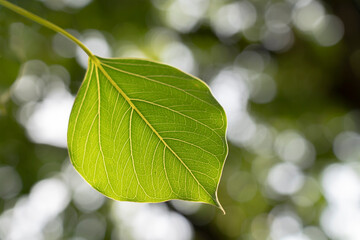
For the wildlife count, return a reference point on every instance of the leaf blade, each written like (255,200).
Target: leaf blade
(166,121)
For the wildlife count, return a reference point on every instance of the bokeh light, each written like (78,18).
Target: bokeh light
(234,17)
(285,71)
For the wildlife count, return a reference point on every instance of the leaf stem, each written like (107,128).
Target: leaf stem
(47,24)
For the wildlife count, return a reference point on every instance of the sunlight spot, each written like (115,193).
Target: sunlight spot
(159,37)
(230,89)
(149,221)
(62,4)
(278,15)
(346,146)
(27,88)
(234,17)
(49,197)
(86,198)
(97,44)
(77,3)
(179,55)
(31,214)
(341,222)
(341,218)
(49,122)
(292,147)
(278,40)
(285,178)
(243,129)
(329,30)
(340,183)
(262,141)
(184,15)
(286,225)
(128,50)
(307,13)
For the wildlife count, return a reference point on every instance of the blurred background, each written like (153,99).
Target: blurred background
(287,73)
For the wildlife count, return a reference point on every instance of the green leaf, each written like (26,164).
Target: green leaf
(146,132)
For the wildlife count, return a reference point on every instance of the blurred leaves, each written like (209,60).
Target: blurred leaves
(312,114)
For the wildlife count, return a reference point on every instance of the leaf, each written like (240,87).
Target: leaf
(146,132)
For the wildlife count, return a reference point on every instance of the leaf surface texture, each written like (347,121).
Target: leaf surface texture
(146,132)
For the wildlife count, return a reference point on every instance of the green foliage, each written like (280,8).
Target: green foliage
(147,132)
(308,121)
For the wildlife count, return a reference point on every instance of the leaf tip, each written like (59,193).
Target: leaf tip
(218,205)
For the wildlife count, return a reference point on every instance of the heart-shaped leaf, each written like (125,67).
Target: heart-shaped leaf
(146,132)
